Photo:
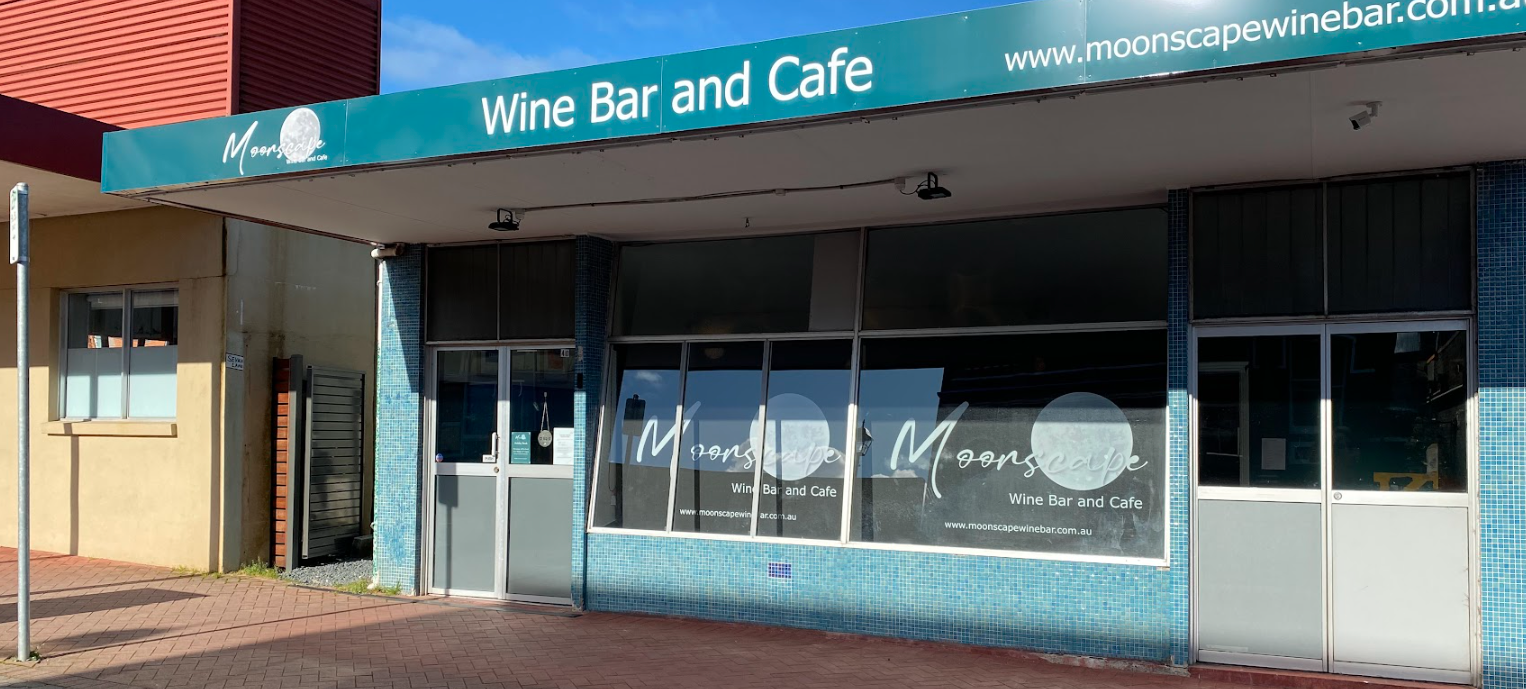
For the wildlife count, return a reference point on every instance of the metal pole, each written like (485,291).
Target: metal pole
(20,258)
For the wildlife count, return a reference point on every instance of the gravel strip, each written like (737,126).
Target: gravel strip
(331,574)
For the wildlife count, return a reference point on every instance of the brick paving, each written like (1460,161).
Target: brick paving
(110,625)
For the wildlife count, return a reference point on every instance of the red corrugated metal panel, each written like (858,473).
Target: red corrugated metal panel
(132,63)
(282,63)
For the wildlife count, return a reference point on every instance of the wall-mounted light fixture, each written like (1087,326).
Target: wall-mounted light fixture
(507,221)
(929,190)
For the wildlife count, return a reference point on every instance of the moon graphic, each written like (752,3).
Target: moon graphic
(1086,429)
(301,135)
(798,438)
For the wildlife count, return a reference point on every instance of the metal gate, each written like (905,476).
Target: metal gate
(320,416)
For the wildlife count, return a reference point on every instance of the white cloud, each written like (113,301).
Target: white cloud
(417,53)
(651,378)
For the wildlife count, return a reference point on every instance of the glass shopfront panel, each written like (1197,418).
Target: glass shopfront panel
(805,439)
(755,422)
(1400,407)
(635,472)
(1041,443)
(1258,401)
(718,456)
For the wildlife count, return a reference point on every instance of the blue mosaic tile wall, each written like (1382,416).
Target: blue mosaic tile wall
(1115,611)
(1179,423)
(1502,421)
(399,415)
(595,263)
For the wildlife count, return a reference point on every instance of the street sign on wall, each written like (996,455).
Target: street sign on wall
(1033,46)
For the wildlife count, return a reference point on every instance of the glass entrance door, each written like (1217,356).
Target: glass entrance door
(1332,527)
(466,481)
(539,475)
(500,499)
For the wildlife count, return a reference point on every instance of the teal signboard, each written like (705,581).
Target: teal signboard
(1043,44)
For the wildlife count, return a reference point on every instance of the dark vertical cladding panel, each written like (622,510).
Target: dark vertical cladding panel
(1401,245)
(1257,253)
(131,63)
(296,52)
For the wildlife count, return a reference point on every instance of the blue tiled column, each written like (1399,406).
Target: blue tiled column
(594,264)
(399,416)
(1502,420)
(1178,421)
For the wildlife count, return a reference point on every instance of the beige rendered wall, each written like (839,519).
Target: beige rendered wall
(100,489)
(289,294)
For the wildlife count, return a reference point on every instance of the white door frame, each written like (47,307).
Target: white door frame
(1322,496)
(502,469)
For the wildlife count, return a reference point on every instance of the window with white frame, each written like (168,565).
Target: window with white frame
(120,351)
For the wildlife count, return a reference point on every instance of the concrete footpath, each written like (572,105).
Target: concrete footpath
(104,624)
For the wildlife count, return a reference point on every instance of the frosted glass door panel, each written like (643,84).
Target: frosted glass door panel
(540,539)
(1400,590)
(465,533)
(1260,591)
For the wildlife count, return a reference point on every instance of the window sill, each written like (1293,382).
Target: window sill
(119,429)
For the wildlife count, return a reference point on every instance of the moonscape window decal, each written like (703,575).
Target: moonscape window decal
(1040,443)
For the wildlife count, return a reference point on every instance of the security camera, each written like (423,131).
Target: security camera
(1364,118)
(391,251)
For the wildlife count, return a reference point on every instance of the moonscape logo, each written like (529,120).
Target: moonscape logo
(300,139)
(1081,441)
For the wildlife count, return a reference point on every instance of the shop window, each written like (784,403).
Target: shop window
(1038,443)
(499,292)
(1401,245)
(1258,253)
(120,354)
(717,457)
(634,473)
(1098,267)
(793,457)
(798,283)
(805,439)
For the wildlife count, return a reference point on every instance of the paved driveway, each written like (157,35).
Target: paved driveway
(107,624)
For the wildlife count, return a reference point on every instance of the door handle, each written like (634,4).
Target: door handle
(492,457)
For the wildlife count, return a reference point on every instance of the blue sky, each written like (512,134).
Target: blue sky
(435,42)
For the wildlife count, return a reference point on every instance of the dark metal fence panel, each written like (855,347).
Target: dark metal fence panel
(334,460)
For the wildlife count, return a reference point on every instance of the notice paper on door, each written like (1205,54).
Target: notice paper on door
(1274,454)
(561,446)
